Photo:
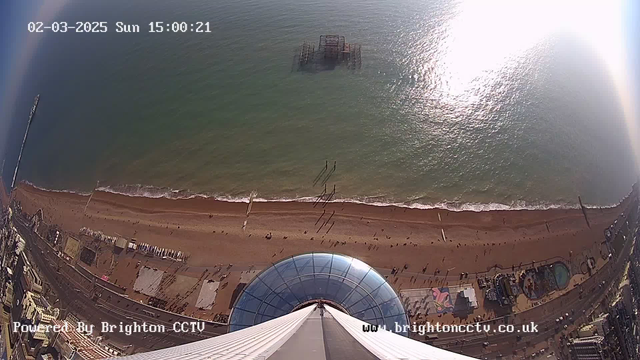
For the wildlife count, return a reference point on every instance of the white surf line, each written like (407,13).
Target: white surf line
(90,196)
(251,197)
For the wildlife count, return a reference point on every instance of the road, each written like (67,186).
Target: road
(506,343)
(76,296)
(75,290)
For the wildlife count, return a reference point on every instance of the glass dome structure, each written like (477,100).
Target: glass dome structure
(346,282)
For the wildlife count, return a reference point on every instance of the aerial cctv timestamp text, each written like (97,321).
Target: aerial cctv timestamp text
(119,27)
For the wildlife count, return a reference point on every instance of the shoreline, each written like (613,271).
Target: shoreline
(151,192)
(211,232)
(197,204)
(359,230)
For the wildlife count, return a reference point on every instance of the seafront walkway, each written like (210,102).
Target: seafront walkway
(75,291)
(400,279)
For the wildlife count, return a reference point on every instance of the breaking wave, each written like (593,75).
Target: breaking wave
(168,193)
(55,190)
(154,192)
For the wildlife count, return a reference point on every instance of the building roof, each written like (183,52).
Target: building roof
(587,330)
(588,340)
(84,346)
(39,301)
(470,294)
(121,243)
(310,333)
(346,282)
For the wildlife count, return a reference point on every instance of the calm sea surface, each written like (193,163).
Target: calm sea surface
(452,104)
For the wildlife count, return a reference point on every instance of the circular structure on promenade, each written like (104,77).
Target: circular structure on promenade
(562,275)
(345,282)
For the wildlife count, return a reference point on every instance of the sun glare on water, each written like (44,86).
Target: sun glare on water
(486,38)
(486,35)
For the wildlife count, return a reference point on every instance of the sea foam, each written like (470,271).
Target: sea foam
(154,192)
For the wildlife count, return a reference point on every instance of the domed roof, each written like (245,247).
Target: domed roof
(342,280)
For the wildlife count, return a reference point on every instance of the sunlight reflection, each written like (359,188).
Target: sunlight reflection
(486,35)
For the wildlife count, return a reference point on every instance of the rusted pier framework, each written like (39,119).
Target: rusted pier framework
(332,51)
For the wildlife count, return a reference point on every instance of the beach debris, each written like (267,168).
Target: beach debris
(268,236)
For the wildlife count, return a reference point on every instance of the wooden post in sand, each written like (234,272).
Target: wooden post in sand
(448,270)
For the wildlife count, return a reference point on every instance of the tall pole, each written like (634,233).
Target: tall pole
(24,141)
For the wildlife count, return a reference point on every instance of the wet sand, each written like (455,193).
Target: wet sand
(384,237)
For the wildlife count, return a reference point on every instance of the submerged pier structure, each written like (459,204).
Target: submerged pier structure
(332,51)
(24,141)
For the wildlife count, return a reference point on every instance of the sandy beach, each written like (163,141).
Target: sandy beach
(211,231)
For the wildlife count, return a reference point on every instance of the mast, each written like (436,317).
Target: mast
(24,141)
